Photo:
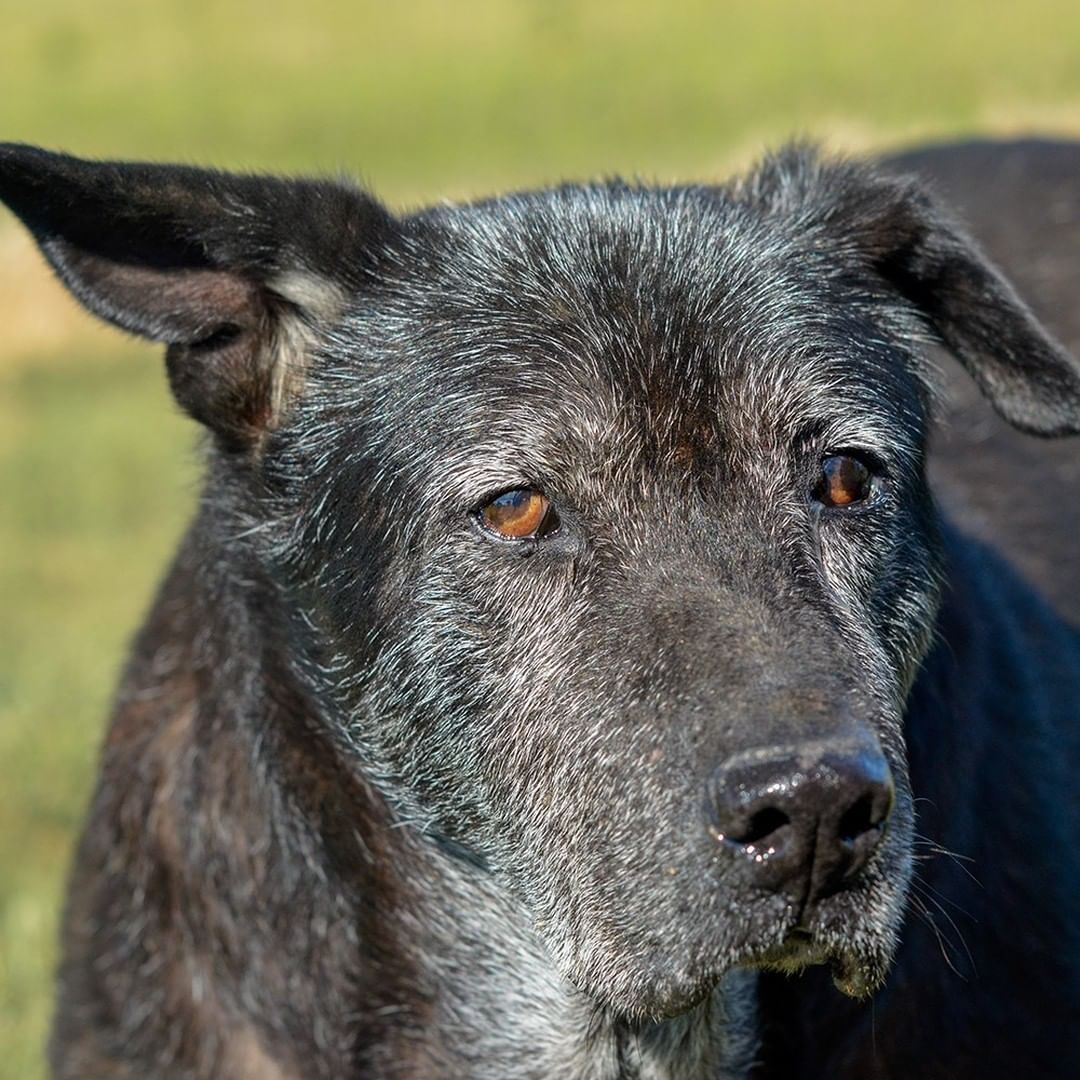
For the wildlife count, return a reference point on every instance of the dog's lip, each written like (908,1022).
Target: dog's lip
(800,947)
(790,951)
(796,949)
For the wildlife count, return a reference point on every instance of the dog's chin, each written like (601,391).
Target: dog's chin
(856,973)
(857,948)
(655,1001)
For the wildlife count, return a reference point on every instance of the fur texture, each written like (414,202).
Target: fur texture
(986,982)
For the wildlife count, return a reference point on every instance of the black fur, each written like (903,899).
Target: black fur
(387,795)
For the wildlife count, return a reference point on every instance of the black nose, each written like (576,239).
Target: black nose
(802,820)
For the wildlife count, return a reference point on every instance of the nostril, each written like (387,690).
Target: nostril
(803,823)
(763,824)
(858,819)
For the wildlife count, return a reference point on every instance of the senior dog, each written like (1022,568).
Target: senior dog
(566,632)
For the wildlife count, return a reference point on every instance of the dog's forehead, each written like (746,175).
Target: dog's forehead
(622,268)
(599,323)
(673,291)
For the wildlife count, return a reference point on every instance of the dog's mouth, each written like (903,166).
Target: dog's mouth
(852,933)
(842,933)
(853,974)
(858,953)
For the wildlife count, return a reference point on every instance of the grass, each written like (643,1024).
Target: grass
(423,99)
(432,96)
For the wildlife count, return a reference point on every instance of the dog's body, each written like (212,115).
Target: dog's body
(391,791)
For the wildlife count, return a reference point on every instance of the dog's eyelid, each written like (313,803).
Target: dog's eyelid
(878,463)
(837,437)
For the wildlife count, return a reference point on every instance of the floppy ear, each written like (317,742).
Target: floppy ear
(906,238)
(231,272)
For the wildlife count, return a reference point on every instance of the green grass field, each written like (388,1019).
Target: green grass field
(422,99)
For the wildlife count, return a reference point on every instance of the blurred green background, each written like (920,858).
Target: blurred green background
(422,99)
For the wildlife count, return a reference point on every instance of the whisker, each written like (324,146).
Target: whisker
(924,896)
(927,917)
(934,849)
(946,899)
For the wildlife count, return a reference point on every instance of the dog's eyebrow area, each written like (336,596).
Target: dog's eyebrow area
(594,444)
(555,395)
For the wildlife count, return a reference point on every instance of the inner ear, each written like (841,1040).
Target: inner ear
(236,350)
(173,305)
(223,371)
(241,377)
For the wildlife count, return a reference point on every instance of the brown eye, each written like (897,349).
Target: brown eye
(519,515)
(844,481)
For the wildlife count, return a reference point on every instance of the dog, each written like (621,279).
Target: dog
(566,634)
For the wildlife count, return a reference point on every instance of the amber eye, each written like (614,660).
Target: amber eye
(519,515)
(844,481)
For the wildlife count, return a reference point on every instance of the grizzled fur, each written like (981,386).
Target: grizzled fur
(386,795)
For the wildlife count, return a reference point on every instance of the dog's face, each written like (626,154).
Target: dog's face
(658,380)
(598,517)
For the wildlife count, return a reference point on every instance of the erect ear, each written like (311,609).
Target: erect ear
(231,272)
(899,232)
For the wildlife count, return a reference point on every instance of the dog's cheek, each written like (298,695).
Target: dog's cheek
(466,688)
(885,583)
(550,777)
